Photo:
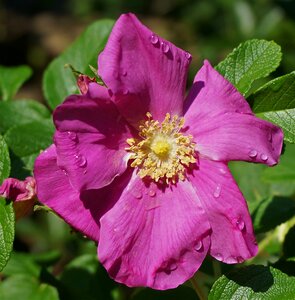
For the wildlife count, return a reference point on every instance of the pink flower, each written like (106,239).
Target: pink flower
(143,170)
(22,193)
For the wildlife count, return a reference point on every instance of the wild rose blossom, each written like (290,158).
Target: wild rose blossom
(143,170)
(22,193)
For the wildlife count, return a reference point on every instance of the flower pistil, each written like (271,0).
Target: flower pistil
(163,152)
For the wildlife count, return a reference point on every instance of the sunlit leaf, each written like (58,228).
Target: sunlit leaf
(254,282)
(251,60)
(11,79)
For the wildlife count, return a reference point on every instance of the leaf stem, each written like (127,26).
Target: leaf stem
(197,289)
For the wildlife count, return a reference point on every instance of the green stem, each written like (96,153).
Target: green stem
(197,289)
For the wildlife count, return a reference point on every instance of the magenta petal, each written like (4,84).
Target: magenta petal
(18,190)
(234,136)
(211,93)
(154,237)
(81,211)
(22,193)
(90,139)
(232,238)
(143,71)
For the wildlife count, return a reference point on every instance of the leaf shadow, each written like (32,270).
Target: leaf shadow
(258,278)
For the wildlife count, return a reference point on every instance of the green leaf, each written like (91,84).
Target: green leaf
(255,283)
(11,79)
(25,287)
(272,212)
(58,81)
(285,170)
(27,140)
(4,160)
(251,60)
(275,102)
(248,177)
(21,263)
(6,231)
(285,119)
(84,278)
(18,112)
(276,95)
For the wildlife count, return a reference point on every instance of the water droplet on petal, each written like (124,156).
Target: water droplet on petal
(165,47)
(264,157)
(231,260)
(152,193)
(137,194)
(172,266)
(252,153)
(222,171)
(240,259)
(219,257)
(154,39)
(199,246)
(240,224)
(217,191)
(125,91)
(65,172)
(80,160)
(83,161)
(188,55)
(124,73)
(72,135)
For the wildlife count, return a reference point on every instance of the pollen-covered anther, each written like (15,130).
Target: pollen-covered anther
(163,152)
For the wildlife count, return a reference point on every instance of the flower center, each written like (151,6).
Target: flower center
(163,152)
(161,147)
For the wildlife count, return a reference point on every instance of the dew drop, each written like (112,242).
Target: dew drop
(222,171)
(72,135)
(125,91)
(65,172)
(217,191)
(152,193)
(252,153)
(80,160)
(154,39)
(240,259)
(124,73)
(231,260)
(240,224)
(219,257)
(172,266)
(188,55)
(83,161)
(137,195)
(264,157)
(165,47)
(199,246)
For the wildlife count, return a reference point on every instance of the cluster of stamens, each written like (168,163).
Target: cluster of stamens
(163,152)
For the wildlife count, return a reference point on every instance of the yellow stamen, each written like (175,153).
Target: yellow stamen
(162,153)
